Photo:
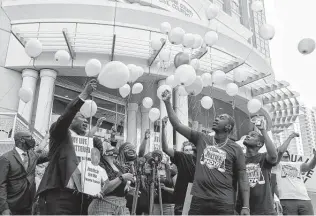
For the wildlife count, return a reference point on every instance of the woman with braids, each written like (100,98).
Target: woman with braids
(115,164)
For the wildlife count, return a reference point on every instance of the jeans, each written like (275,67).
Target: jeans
(168,209)
(297,207)
(178,208)
(201,206)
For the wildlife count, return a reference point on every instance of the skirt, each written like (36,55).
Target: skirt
(110,205)
(168,209)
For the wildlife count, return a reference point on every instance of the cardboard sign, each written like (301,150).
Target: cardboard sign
(187,201)
(83,146)
(91,178)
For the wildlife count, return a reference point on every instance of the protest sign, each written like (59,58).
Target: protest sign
(83,146)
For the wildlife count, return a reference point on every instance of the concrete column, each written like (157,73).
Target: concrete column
(29,79)
(132,122)
(163,113)
(182,111)
(45,100)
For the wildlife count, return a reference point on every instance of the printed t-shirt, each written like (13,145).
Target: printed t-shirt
(216,169)
(186,167)
(259,176)
(290,181)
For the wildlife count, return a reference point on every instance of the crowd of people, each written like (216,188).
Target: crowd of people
(225,180)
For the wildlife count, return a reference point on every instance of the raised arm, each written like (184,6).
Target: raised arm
(285,145)
(96,127)
(305,167)
(165,147)
(60,128)
(174,120)
(272,154)
(4,169)
(142,147)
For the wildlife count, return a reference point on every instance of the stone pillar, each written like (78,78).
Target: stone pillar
(163,113)
(29,77)
(45,100)
(132,122)
(182,111)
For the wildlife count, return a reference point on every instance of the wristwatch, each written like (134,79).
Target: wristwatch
(121,178)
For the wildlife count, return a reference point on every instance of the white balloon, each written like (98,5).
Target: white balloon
(195,63)
(154,114)
(148,102)
(257,6)
(218,77)
(125,90)
(188,40)
(140,71)
(164,55)
(89,108)
(156,44)
(165,27)
(162,89)
(170,81)
(185,75)
(267,31)
(137,88)
(207,79)
(306,46)
(240,75)
(254,105)
(182,91)
(62,57)
(25,94)
(133,73)
(33,48)
(196,87)
(176,35)
(93,67)
(207,102)
(212,11)
(211,37)
(232,89)
(114,75)
(198,41)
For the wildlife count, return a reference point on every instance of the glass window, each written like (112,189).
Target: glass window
(105,104)
(235,10)
(67,93)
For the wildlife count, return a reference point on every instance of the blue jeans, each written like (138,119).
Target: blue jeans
(201,206)
(297,207)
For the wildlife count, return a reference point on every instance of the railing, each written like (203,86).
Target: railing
(11,123)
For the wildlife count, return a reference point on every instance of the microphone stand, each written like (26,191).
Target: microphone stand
(137,186)
(160,195)
(152,188)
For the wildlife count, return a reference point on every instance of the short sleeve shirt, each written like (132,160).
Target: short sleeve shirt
(259,175)
(186,167)
(216,169)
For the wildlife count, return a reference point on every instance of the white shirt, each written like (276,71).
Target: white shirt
(290,181)
(21,152)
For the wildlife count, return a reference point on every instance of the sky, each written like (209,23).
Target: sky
(293,20)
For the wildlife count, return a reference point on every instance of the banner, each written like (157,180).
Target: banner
(187,201)
(83,146)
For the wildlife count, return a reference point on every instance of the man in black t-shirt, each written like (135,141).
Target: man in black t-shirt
(258,166)
(220,164)
(185,162)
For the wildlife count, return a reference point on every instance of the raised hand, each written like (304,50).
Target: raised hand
(293,135)
(261,126)
(164,121)
(90,87)
(166,95)
(100,121)
(147,134)
(128,177)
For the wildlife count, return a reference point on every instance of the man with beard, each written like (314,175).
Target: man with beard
(220,164)
(185,162)
(292,190)
(60,186)
(17,178)
(258,166)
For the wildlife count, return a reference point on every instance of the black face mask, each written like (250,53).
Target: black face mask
(30,143)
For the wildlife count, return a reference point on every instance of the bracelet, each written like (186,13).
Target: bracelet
(246,208)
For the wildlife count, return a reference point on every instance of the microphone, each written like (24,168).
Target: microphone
(157,155)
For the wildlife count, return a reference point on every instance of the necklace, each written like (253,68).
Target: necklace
(218,144)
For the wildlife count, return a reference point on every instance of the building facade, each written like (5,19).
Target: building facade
(308,130)
(122,31)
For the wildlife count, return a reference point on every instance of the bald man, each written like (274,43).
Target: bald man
(17,179)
